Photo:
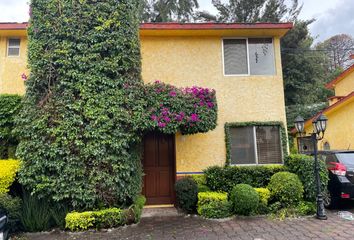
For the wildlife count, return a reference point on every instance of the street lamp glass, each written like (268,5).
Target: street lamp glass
(314,125)
(299,124)
(322,123)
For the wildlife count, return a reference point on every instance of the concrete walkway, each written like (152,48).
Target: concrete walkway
(171,225)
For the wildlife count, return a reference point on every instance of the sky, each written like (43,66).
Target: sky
(332,16)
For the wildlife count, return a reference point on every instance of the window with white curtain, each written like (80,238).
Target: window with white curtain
(248,56)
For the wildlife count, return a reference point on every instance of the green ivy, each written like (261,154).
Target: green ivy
(9,108)
(283,136)
(86,108)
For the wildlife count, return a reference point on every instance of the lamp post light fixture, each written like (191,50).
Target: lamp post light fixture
(319,128)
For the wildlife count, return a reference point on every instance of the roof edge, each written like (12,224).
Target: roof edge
(340,77)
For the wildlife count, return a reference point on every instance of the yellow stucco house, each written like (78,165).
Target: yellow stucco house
(242,62)
(340,113)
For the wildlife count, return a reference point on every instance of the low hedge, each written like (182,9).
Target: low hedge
(286,188)
(303,166)
(225,178)
(245,199)
(8,171)
(106,218)
(214,205)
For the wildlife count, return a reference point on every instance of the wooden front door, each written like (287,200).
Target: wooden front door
(159,168)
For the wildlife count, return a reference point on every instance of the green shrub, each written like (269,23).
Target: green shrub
(12,206)
(225,178)
(58,213)
(79,221)
(203,188)
(106,218)
(138,208)
(306,208)
(303,166)
(264,196)
(245,199)
(9,108)
(208,197)
(186,194)
(286,188)
(8,170)
(36,215)
(221,209)
(214,205)
(199,179)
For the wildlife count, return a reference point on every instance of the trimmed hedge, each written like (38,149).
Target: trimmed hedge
(214,205)
(225,178)
(201,182)
(106,218)
(245,199)
(286,188)
(9,108)
(303,166)
(264,197)
(186,194)
(8,171)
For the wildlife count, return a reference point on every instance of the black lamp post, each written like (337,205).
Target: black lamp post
(319,128)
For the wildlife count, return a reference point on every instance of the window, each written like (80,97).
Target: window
(13,47)
(305,144)
(252,56)
(255,145)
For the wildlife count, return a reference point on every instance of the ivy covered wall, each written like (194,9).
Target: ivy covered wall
(86,109)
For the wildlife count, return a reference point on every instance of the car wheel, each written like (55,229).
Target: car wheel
(330,200)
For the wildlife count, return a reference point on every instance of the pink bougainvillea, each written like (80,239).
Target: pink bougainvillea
(189,110)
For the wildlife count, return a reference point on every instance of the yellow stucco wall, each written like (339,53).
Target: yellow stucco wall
(345,86)
(188,61)
(11,68)
(340,128)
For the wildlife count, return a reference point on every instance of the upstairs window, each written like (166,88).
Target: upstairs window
(250,56)
(255,145)
(13,49)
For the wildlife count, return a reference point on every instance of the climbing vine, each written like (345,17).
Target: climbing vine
(86,109)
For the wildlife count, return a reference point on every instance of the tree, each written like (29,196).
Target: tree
(256,10)
(303,69)
(339,49)
(169,10)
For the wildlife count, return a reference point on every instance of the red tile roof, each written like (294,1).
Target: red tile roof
(333,106)
(182,26)
(13,26)
(212,25)
(345,73)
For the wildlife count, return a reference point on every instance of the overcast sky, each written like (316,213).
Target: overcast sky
(333,16)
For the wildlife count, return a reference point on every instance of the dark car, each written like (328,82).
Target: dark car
(340,165)
(3,225)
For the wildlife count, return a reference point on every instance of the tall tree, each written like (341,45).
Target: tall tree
(339,49)
(256,10)
(169,10)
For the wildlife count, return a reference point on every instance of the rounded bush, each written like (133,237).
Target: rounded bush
(245,199)
(286,188)
(186,194)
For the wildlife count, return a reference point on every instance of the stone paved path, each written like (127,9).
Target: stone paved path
(174,226)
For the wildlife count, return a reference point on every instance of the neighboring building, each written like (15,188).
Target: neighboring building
(340,113)
(240,61)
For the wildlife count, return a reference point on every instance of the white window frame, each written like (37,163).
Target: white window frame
(248,57)
(8,47)
(255,149)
